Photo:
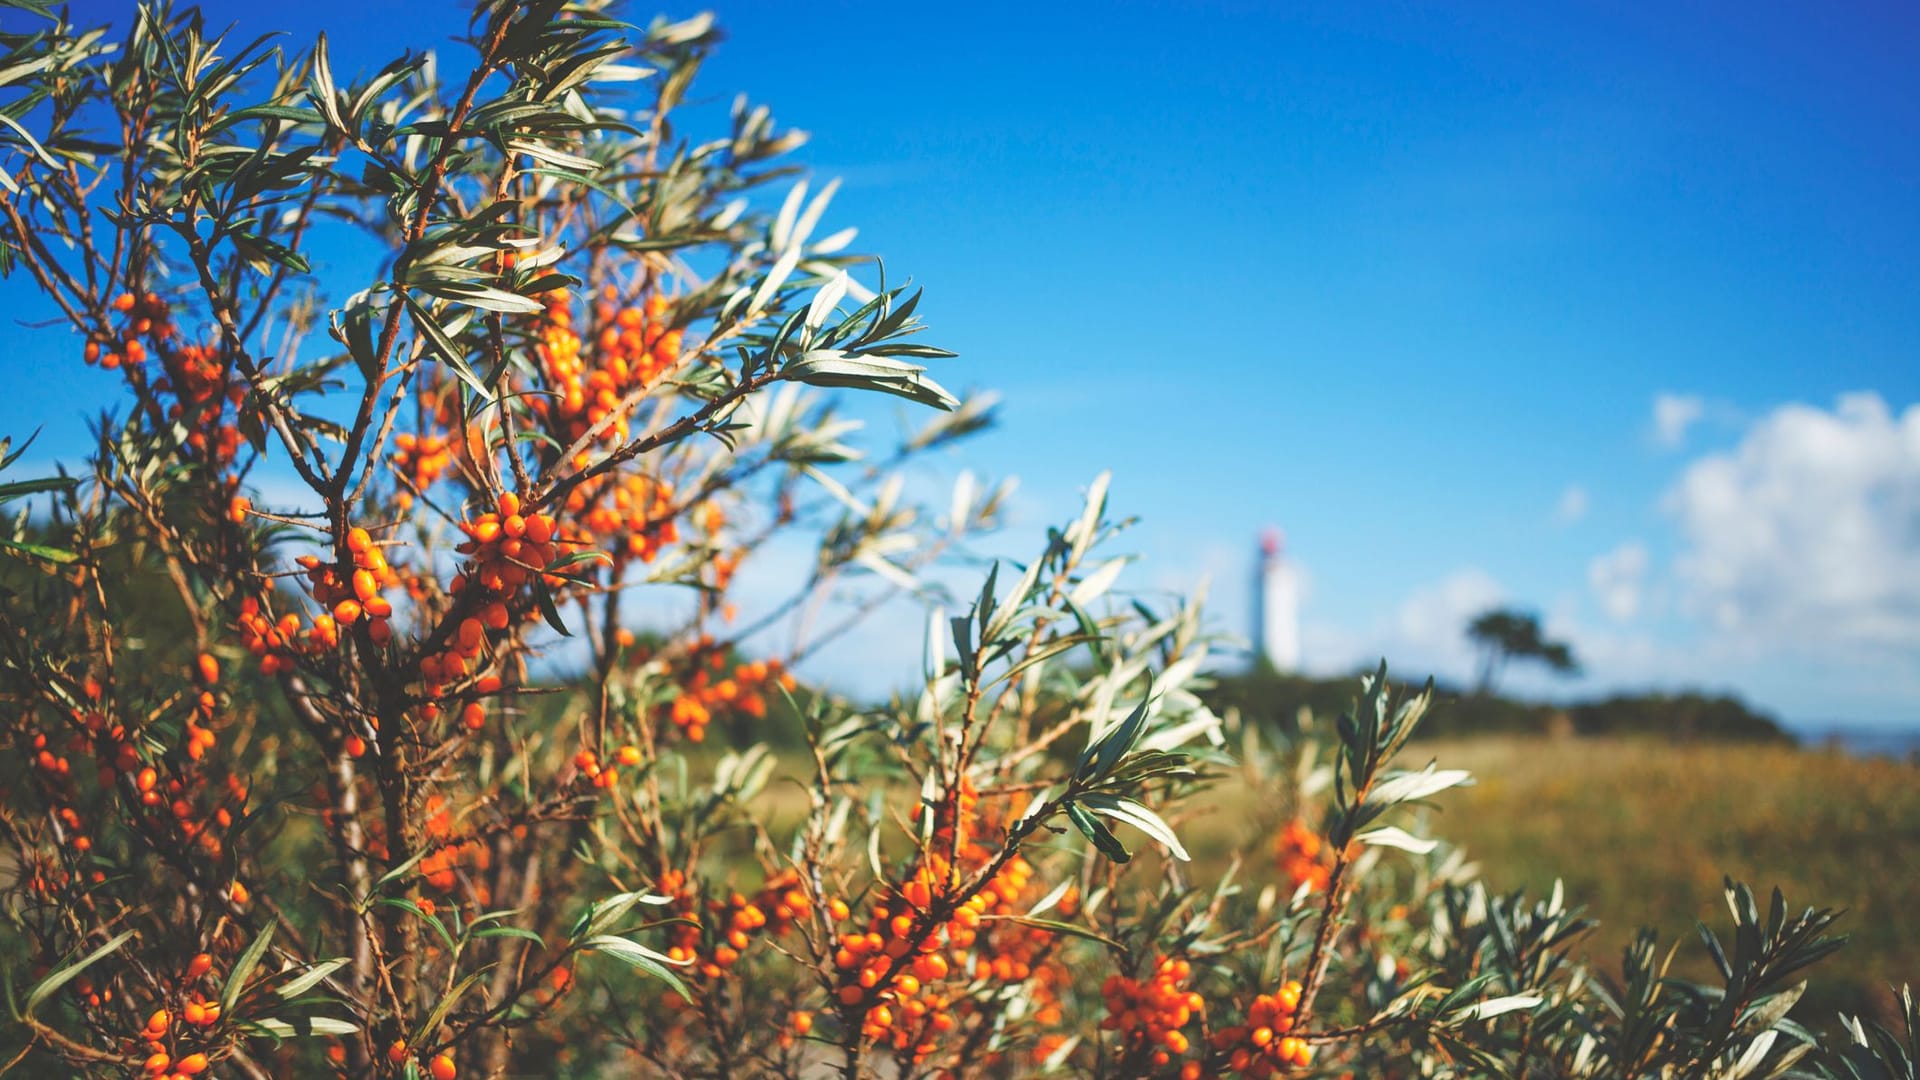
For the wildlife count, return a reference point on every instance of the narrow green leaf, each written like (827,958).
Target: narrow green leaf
(450,352)
(45,987)
(310,978)
(1101,836)
(243,969)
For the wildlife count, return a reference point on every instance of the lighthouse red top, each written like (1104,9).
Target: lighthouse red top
(1270,541)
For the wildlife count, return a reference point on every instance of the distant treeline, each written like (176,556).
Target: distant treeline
(1277,699)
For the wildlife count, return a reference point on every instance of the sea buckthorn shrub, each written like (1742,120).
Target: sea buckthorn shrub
(384,699)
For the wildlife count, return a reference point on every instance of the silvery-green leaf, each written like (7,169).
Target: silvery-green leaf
(1080,533)
(1095,585)
(310,978)
(1411,786)
(1059,893)
(640,957)
(306,1025)
(888,570)
(1106,750)
(835,242)
(1201,721)
(826,300)
(1140,818)
(803,228)
(1755,1053)
(543,152)
(1101,836)
(776,277)
(780,235)
(45,987)
(1493,1007)
(685,30)
(610,911)
(1395,837)
(963,489)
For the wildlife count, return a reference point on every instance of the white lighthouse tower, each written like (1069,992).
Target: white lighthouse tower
(1276,607)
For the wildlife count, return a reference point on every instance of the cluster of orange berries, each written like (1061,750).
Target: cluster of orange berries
(272,642)
(632,513)
(632,348)
(1302,856)
(200,381)
(196,374)
(140,316)
(161,1032)
(350,600)
(605,775)
(707,691)
(1153,1010)
(56,772)
(200,737)
(507,549)
(441,1066)
(117,752)
(737,920)
(1263,1046)
(440,865)
(891,975)
(422,459)
(345,602)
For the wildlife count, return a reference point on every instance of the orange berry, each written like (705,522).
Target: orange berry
(191,1065)
(441,1068)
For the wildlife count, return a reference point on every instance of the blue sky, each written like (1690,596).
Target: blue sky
(1408,282)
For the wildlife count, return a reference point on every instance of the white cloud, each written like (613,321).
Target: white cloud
(1618,580)
(1807,534)
(1673,414)
(1573,505)
(1426,633)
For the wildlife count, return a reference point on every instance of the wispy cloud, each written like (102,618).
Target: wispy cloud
(1673,415)
(1573,505)
(1619,580)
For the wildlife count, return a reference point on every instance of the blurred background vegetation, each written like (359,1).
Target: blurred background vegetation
(1640,804)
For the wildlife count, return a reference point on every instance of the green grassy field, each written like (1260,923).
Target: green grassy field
(1642,832)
